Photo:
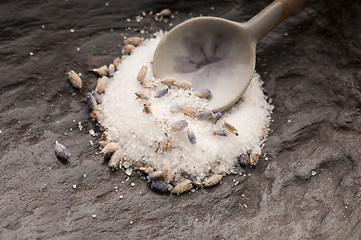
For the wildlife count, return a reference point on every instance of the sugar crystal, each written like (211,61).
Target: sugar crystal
(129,171)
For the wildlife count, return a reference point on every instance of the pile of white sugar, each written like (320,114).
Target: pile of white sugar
(148,137)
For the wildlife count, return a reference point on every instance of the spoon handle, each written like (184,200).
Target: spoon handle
(289,7)
(271,16)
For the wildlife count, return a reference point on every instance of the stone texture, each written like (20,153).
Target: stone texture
(311,68)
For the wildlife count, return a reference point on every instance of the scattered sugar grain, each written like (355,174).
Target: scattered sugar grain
(139,134)
(80,126)
(129,171)
(138,18)
(92,132)
(126,164)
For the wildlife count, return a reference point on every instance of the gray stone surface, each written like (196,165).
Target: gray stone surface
(309,188)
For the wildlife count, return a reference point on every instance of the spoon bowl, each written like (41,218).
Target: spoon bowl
(216,53)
